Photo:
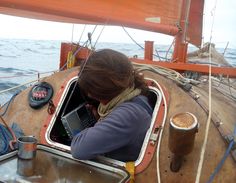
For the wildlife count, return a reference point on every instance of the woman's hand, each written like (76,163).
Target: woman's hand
(93,109)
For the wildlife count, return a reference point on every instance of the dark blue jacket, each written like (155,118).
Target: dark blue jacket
(119,136)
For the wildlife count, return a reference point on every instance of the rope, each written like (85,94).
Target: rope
(4,135)
(203,150)
(11,142)
(206,131)
(160,134)
(8,103)
(217,169)
(171,74)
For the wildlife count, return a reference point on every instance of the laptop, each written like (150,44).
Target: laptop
(77,120)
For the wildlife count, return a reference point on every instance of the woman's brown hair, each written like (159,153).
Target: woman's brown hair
(107,73)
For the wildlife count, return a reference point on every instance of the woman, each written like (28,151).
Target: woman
(124,112)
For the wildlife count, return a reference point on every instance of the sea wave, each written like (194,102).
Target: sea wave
(10,56)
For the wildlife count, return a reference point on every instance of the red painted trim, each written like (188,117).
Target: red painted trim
(82,54)
(55,100)
(152,146)
(227,71)
(148,51)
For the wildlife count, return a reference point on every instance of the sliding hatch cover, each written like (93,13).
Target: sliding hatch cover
(51,165)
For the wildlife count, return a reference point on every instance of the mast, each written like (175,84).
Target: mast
(181,44)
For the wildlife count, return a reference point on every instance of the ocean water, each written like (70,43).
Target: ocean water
(22,61)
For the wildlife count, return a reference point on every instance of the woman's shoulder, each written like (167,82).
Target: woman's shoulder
(125,115)
(142,101)
(134,101)
(138,106)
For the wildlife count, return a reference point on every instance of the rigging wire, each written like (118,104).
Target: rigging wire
(18,86)
(82,34)
(157,54)
(133,39)
(33,81)
(89,40)
(170,48)
(203,150)
(82,67)
(72,37)
(186,21)
(225,48)
(26,75)
(90,36)
(229,84)
(229,87)
(99,35)
(72,32)
(87,43)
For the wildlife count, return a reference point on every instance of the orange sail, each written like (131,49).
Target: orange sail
(163,16)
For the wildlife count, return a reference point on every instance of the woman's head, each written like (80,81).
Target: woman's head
(107,73)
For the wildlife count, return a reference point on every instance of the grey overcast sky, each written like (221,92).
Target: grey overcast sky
(223,31)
